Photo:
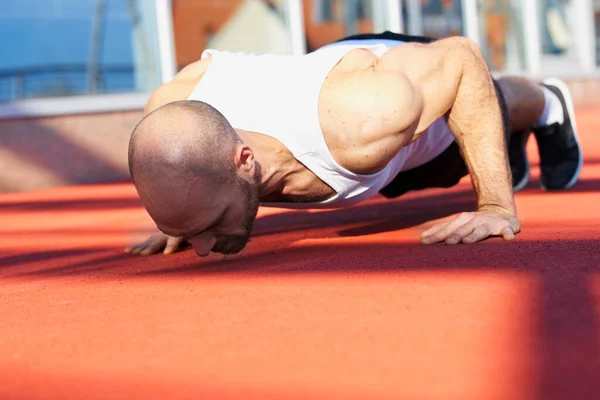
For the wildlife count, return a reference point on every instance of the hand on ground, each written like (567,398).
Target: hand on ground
(157,243)
(472,227)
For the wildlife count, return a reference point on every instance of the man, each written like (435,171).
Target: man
(371,114)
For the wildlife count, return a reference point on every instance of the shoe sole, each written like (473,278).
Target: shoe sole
(564,90)
(523,182)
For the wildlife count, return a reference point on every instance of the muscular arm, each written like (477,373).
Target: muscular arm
(452,79)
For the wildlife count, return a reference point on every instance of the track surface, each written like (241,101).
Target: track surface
(332,304)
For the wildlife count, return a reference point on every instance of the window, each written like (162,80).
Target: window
(77,47)
(253,26)
(441,18)
(502,39)
(329,20)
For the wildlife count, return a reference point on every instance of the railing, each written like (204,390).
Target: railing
(64,80)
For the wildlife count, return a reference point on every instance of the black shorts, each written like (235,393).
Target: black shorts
(448,168)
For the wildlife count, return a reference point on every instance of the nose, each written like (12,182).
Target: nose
(204,244)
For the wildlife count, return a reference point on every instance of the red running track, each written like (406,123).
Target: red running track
(333,304)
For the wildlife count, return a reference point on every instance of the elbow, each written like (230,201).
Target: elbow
(465,59)
(466,46)
(467,53)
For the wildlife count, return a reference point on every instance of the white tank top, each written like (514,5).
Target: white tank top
(277,95)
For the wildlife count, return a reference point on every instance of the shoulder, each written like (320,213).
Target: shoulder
(180,87)
(412,58)
(194,71)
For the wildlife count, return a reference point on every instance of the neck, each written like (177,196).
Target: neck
(278,167)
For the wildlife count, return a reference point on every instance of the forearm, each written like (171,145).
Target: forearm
(476,121)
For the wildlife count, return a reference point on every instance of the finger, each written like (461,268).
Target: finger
(508,234)
(446,230)
(438,227)
(479,233)
(154,246)
(433,229)
(132,248)
(463,231)
(426,237)
(139,247)
(173,245)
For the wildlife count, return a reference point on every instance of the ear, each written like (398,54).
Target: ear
(244,162)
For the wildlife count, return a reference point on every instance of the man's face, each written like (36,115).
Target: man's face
(216,217)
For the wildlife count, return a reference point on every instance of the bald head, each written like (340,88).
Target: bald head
(181,138)
(195,176)
(180,147)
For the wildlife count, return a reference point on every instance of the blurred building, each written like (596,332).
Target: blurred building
(75,74)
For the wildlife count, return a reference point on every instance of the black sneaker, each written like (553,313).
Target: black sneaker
(517,156)
(560,150)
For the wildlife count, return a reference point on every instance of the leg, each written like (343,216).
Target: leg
(525,101)
(547,110)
